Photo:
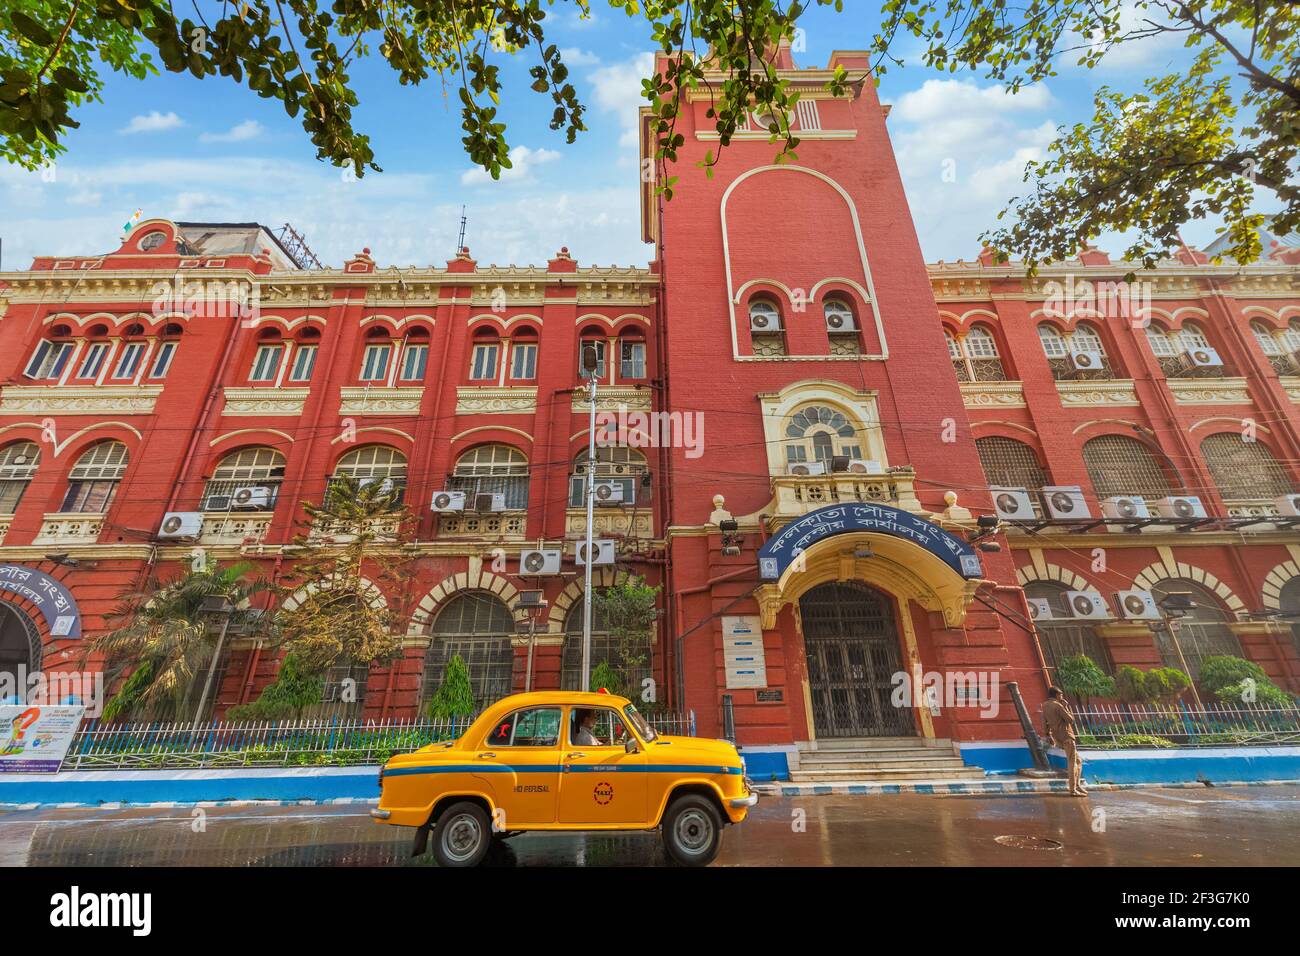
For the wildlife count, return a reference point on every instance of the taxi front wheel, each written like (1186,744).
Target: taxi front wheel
(462,835)
(692,830)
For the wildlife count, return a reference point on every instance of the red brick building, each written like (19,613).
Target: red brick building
(812,518)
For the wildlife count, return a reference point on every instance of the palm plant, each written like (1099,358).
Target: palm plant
(163,638)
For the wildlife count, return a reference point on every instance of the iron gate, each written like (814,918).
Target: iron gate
(852,647)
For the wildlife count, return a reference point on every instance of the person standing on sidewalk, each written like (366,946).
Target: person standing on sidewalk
(1060,731)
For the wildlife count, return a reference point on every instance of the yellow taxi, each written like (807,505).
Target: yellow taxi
(565,760)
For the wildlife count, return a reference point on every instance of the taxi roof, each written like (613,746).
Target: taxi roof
(563,697)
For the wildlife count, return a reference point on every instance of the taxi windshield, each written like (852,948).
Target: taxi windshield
(640,723)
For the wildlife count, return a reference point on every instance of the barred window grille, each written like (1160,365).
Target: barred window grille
(93,481)
(616,463)
(478,626)
(258,467)
(1244,470)
(1063,639)
(18,463)
(808,117)
(493,469)
(981,355)
(1202,633)
(1119,465)
(1278,348)
(958,358)
(374,463)
(604,648)
(1010,463)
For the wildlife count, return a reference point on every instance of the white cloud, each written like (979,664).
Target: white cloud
(573,56)
(616,89)
(946,100)
(239,133)
(523,161)
(153,122)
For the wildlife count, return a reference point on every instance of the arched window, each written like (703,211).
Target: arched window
(523,355)
(1202,633)
(1062,637)
(1011,464)
(1120,465)
(978,352)
(484,356)
(18,463)
(372,463)
(631,364)
(819,433)
(1079,354)
(415,356)
(593,337)
(1053,341)
(1275,348)
(1291,338)
(618,464)
(634,665)
(765,327)
(1198,356)
(478,626)
(93,481)
(1167,349)
(957,357)
(267,357)
(493,469)
(376,356)
(245,480)
(841,326)
(1086,339)
(1289,604)
(1244,470)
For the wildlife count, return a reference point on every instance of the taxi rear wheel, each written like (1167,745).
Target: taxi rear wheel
(462,835)
(692,830)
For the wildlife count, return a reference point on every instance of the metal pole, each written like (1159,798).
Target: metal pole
(591,506)
(1172,629)
(532,641)
(1036,750)
(212,668)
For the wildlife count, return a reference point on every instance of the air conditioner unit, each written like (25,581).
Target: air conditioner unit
(1180,506)
(250,498)
(1013,504)
(540,561)
(492,502)
(1040,609)
(1082,361)
(216,503)
(1288,505)
(608,492)
(531,599)
(181,524)
(1125,506)
(1137,605)
(864,466)
(1066,502)
(1088,605)
(839,322)
(1204,358)
(448,501)
(806,468)
(764,323)
(603,552)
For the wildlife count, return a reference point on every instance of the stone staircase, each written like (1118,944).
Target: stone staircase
(853,760)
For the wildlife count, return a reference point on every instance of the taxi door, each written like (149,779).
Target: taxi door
(520,760)
(601,783)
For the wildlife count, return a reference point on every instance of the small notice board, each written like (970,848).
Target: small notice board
(742,648)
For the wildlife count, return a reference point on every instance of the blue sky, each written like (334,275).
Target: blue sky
(210,150)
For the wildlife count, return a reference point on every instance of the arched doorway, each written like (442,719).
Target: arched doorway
(851,641)
(20,643)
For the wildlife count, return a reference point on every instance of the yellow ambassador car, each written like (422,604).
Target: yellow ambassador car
(561,760)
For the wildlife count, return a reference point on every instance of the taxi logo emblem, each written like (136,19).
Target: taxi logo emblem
(603,792)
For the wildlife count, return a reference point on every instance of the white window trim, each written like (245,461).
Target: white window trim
(171,357)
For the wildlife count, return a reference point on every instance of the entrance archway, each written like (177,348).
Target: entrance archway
(20,642)
(852,645)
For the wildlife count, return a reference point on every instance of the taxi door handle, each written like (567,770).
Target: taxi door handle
(487,756)
(576,754)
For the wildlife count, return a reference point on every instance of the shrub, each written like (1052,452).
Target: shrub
(603,675)
(1236,680)
(1081,678)
(454,696)
(294,689)
(1131,685)
(1166,684)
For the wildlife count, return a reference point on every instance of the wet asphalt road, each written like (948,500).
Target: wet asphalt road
(1241,826)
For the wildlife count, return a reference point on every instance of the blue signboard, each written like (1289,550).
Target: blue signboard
(798,536)
(52,599)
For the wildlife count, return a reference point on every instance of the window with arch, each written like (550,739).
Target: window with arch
(131,353)
(376,356)
(632,663)
(1289,605)
(820,433)
(94,354)
(245,480)
(267,357)
(1202,633)
(305,350)
(484,356)
(477,626)
(1011,464)
(619,464)
(766,333)
(1121,465)
(523,355)
(1185,353)
(593,338)
(93,481)
(18,464)
(841,326)
(1074,355)
(415,356)
(1244,470)
(975,356)
(50,355)
(493,470)
(1279,348)
(375,463)
(167,346)
(631,362)
(1064,638)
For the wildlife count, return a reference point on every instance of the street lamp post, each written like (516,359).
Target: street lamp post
(214,604)
(589,367)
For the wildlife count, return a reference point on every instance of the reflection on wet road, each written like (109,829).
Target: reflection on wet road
(1227,826)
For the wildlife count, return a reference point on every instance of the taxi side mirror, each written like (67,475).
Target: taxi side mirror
(632,746)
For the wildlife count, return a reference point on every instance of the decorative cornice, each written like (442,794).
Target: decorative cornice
(992,394)
(1209,391)
(611,398)
(1098,392)
(495,400)
(380,401)
(265,401)
(78,399)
